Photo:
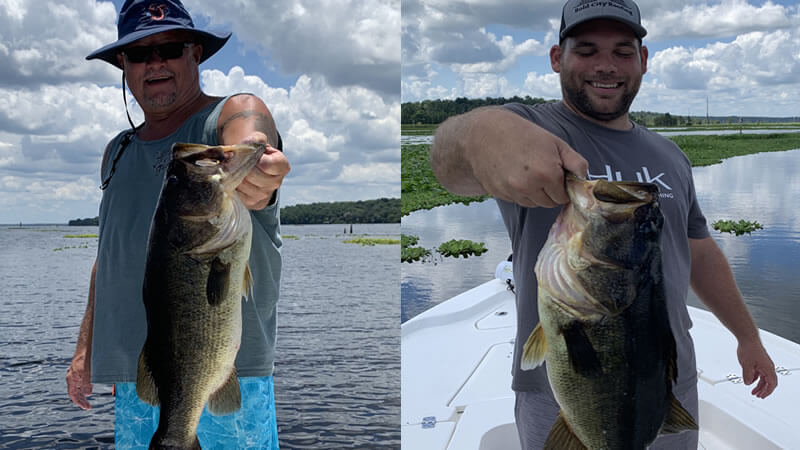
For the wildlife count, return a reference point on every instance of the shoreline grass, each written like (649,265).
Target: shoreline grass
(420,189)
(74,236)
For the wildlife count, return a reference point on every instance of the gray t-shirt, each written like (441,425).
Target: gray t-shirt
(127,207)
(634,155)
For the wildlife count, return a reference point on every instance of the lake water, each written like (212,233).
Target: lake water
(763,187)
(337,374)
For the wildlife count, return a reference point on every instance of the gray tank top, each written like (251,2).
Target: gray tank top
(126,210)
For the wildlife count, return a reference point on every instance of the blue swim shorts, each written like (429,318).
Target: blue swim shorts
(252,427)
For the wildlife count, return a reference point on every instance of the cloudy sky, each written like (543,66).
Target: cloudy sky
(743,55)
(329,70)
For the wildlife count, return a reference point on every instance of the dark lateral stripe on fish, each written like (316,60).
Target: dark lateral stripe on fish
(218,282)
(582,356)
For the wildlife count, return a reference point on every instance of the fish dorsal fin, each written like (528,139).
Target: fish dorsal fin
(218,282)
(247,283)
(678,419)
(533,351)
(227,399)
(146,387)
(561,436)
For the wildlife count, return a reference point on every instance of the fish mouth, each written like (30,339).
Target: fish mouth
(227,164)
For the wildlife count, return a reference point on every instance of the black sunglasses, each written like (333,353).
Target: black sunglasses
(170,50)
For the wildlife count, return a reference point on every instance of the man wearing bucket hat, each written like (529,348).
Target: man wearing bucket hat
(519,154)
(159,51)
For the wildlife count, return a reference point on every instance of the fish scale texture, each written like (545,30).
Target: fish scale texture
(252,427)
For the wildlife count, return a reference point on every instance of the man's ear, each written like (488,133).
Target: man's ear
(197,52)
(644,54)
(555,58)
(121,60)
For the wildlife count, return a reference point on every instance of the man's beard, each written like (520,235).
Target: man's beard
(580,100)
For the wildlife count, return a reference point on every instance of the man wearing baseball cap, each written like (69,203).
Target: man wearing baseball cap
(159,51)
(519,154)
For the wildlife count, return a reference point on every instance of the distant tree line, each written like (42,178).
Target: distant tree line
(383,210)
(85,222)
(436,111)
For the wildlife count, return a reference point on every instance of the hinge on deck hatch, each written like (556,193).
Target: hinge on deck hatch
(429,422)
(780,370)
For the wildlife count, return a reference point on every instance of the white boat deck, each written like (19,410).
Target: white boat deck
(456,380)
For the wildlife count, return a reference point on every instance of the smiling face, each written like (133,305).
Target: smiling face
(161,86)
(601,66)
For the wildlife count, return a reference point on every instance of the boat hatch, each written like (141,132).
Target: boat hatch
(490,380)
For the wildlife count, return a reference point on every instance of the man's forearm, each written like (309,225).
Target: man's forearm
(83,349)
(713,282)
(454,139)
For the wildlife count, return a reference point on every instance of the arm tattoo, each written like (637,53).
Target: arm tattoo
(263,123)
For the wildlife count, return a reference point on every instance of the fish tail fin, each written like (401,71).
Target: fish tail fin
(227,399)
(678,419)
(156,443)
(533,351)
(247,283)
(561,436)
(146,387)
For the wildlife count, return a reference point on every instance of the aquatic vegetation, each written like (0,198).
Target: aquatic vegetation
(411,254)
(739,228)
(289,236)
(80,236)
(705,150)
(70,246)
(462,247)
(408,250)
(419,187)
(372,241)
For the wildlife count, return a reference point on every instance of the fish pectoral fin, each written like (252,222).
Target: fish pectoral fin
(247,283)
(218,282)
(582,355)
(534,348)
(146,387)
(227,399)
(678,419)
(561,436)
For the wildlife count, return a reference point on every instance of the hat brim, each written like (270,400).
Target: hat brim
(211,43)
(638,30)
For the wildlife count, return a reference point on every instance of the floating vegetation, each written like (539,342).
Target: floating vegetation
(70,246)
(463,247)
(372,241)
(289,236)
(739,228)
(410,252)
(419,187)
(80,235)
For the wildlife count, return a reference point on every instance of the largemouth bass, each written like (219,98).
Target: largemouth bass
(195,277)
(603,325)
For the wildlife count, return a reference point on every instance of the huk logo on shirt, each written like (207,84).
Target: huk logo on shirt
(643,176)
(157,12)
